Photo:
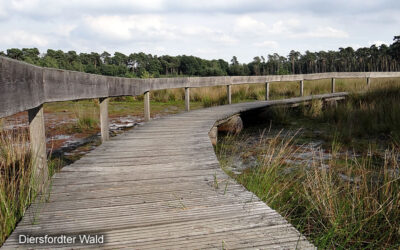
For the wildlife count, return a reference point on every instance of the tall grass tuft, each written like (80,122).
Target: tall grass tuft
(17,184)
(314,109)
(361,211)
(86,118)
(375,112)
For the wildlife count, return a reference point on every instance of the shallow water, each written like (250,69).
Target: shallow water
(310,154)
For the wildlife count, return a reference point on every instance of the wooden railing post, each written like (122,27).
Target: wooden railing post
(37,138)
(147,106)
(187,99)
(104,124)
(229,93)
(333,85)
(301,88)
(266,91)
(368,81)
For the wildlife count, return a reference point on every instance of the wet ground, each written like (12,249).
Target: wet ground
(249,151)
(67,144)
(252,143)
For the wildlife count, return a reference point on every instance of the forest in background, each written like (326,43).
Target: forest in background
(374,58)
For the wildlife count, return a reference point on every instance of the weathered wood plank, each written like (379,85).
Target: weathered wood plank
(21,87)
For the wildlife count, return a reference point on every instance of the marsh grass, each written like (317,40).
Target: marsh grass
(86,117)
(351,200)
(17,182)
(375,112)
(167,95)
(314,109)
(372,114)
(212,96)
(331,211)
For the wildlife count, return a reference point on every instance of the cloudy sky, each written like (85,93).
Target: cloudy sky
(209,29)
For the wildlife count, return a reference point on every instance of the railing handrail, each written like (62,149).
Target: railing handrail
(24,86)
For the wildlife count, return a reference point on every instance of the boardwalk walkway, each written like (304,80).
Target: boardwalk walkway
(154,187)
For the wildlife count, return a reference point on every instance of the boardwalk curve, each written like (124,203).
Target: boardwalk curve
(155,187)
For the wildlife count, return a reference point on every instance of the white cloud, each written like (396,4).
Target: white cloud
(206,33)
(224,39)
(23,38)
(110,26)
(3,11)
(22,5)
(285,26)
(196,30)
(323,32)
(65,29)
(267,44)
(330,32)
(206,51)
(160,49)
(248,24)
(136,27)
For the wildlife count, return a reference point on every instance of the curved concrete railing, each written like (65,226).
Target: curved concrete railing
(26,87)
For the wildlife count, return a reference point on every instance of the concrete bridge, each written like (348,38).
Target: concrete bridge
(157,186)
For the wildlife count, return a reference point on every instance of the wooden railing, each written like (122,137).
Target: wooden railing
(27,87)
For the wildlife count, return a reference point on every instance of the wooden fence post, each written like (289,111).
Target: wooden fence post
(266,91)
(229,93)
(301,88)
(187,99)
(104,124)
(147,106)
(37,138)
(368,81)
(333,85)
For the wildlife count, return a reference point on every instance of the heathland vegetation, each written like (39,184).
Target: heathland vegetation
(343,193)
(382,58)
(17,187)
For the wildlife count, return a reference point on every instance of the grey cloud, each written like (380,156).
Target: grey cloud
(73,8)
(202,28)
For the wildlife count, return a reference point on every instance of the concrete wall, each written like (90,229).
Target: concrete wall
(24,86)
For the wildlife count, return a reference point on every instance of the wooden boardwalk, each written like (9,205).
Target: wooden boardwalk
(154,187)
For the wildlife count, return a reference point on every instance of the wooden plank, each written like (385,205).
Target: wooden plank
(177,198)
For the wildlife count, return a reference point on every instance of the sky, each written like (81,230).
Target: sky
(210,29)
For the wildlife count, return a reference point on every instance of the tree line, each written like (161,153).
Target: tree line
(374,58)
